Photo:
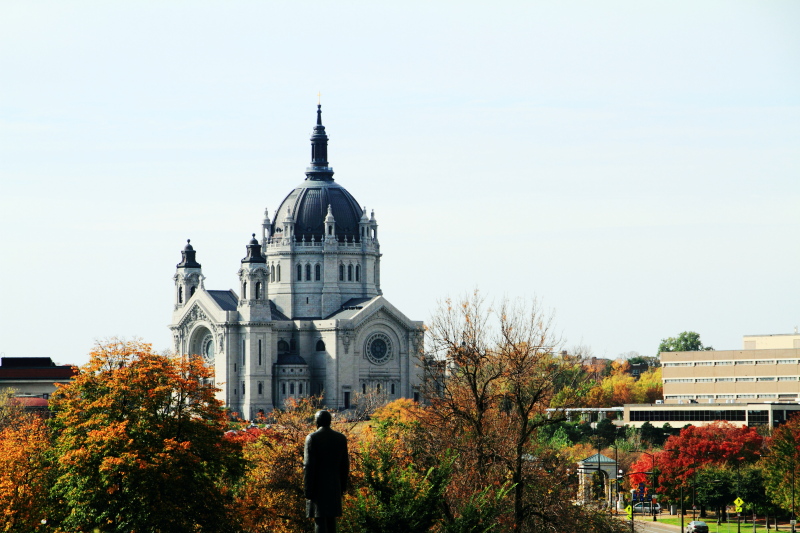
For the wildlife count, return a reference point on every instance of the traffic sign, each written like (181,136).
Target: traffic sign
(738,508)
(629,511)
(739,502)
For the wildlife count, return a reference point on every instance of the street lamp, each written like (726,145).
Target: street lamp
(653,498)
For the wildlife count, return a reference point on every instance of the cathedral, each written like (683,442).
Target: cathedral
(310,317)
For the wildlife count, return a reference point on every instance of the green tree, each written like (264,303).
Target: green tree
(781,464)
(606,432)
(140,445)
(714,487)
(688,341)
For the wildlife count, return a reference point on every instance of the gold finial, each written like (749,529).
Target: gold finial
(319,98)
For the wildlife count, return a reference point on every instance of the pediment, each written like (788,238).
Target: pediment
(381,307)
(201,308)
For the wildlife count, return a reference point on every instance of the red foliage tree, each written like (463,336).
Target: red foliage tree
(718,443)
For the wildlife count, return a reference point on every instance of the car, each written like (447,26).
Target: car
(646,508)
(696,526)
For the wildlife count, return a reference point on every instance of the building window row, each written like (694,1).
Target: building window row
(304,272)
(720,380)
(726,397)
(694,415)
(274,272)
(349,272)
(726,363)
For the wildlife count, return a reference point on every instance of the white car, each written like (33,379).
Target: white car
(646,508)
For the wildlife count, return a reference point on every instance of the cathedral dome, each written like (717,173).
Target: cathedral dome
(308,203)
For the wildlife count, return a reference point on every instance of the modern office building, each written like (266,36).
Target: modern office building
(731,375)
(757,385)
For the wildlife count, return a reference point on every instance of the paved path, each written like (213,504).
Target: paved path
(647,526)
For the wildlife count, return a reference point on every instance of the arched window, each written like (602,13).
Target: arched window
(392,388)
(258,290)
(278,272)
(378,388)
(272,273)
(308,272)
(191,293)
(349,272)
(358,272)
(260,388)
(317,272)
(299,272)
(291,388)
(283,346)
(259,352)
(320,346)
(283,389)
(300,389)
(341,272)
(363,388)
(330,230)
(180,295)
(244,290)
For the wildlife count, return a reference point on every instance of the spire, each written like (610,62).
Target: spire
(319,169)
(188,256)
(254,252)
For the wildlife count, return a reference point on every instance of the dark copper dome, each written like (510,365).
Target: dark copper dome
(309,202)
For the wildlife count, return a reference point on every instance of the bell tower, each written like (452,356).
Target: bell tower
(188,276)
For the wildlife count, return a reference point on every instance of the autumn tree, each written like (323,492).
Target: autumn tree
(501,372)
(270,496)
(715,444)
(24,471)
(139,445)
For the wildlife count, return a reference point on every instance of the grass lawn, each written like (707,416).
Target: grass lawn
(725,527)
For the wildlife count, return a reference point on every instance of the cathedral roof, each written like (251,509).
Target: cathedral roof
(308,203)
(290,359)
(225,299)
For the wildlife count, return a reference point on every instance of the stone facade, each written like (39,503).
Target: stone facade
(309,317)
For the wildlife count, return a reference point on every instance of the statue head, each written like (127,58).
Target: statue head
(322,419)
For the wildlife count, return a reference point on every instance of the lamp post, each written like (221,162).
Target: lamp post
(653,498)
(633,491)
(792,518)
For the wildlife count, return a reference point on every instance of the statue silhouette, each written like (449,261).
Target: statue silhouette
(326,468)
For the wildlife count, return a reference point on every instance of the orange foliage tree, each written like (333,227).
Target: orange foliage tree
(24,439)
(140,445)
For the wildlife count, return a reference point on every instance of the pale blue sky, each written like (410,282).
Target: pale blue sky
(633,164)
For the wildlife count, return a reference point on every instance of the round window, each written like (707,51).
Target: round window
(208,348)
(378,348)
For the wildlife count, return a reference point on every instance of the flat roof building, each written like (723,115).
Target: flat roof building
(728,376)
(33,376)
(701,414)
